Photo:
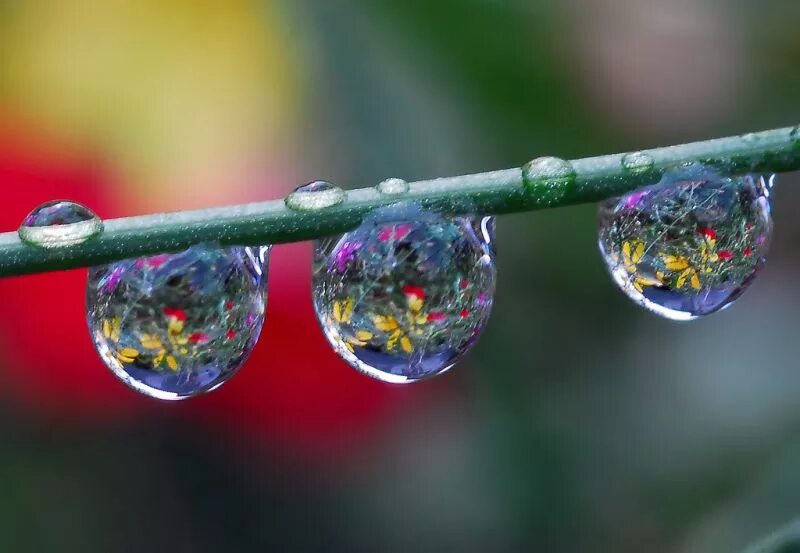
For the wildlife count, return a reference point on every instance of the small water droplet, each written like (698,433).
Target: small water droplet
(750,137)
(690,245)
(59,223)
(392,187)
(638,163)
(315,196)
(548,179)
(178,325)
(407,294)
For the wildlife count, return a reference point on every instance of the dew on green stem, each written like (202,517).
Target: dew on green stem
(315,196)
(638,163)
(178,325)
(794,135)
(690,245)
(59,223)
(549,179)
(391,187)
(407,294)
(750,138)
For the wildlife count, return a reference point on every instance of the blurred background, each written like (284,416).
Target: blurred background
(579,422)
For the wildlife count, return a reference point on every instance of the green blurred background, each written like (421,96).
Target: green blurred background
(579,422)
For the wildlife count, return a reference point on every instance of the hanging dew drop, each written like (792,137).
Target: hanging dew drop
(690,245)
(407,294)
(178,325)
(392,187)
(315,196)
(58,224)
(638,163)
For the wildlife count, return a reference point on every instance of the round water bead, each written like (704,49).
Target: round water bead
(405,295)
(59,223)
(177,325)
(315,196)
(690,245)
(392,187)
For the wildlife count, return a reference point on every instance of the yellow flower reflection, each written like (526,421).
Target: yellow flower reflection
(632,253)
(152,342)
(112,330)
(361,338)
(343,310)
(389,324)
(683,266)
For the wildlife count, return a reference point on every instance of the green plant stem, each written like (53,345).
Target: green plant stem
(497,192)
(785,540)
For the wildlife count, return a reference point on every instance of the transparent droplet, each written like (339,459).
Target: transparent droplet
(690,245)
(391,187)
(638,163)
(407,294)
(315,196)
(549,179)
(750,138)
(177,325)
(59,223)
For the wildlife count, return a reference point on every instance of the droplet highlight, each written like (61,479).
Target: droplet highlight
(690,245)
(58,224)
(638,163)
(175,326)
(407,294)
(315,196)
(392,187)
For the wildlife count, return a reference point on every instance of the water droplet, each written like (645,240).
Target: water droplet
(59,223)
(750,138)
(315,196)
(177,325)
(690,245)
(393,186)
(407,294)
(638,163)
(548,179)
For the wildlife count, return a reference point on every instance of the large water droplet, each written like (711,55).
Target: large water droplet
(178,325)
(548,179)
(391,187)
(407,294)
(315,196)
(690,245)
(59,223)
(638,163)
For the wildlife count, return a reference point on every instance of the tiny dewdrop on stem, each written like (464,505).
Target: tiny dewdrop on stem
(173,326)
(638,163)
(315,196)
(548,179)
(689,245)
(393,187)
(59,223)
(406,294)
